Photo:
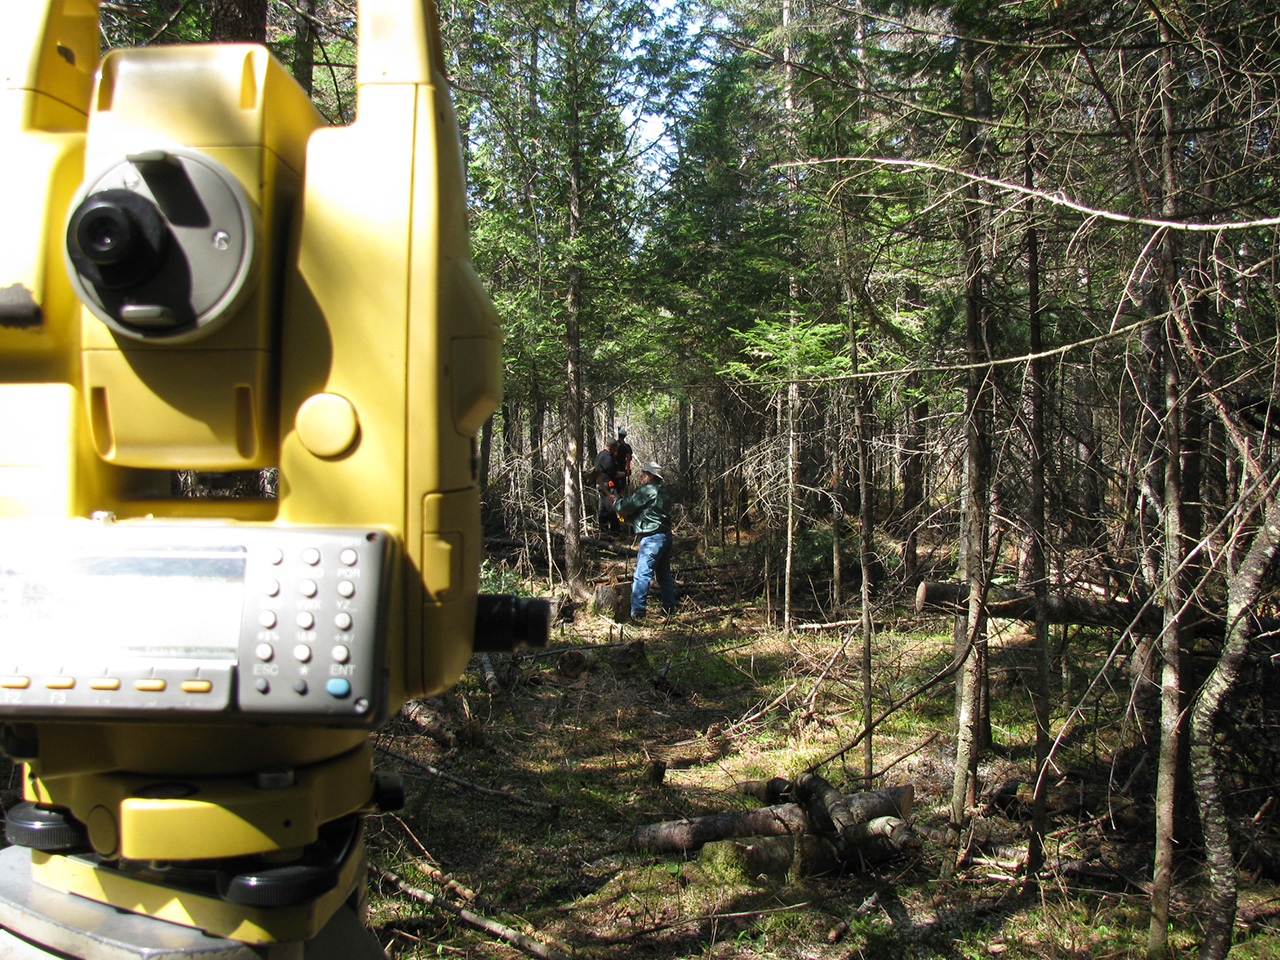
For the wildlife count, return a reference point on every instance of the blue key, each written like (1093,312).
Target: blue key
(338,687)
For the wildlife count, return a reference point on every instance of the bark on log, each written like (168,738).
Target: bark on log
(678,836)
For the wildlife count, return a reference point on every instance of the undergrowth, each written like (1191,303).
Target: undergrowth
(559,768)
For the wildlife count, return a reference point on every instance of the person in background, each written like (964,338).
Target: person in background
(608,475)
(648,509)
(623,457)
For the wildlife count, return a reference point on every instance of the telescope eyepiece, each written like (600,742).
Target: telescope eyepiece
(117,239)
(105,233)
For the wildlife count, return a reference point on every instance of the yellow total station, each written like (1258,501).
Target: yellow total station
(198,277)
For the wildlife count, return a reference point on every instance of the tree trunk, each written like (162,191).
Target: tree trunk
(913,480)
(573,350)
(304,43)
(1243,591)
(969,734)
(1174,544)
(1038,534)
(238,21)
(836,468)
(485,452)
(683,471)
(866,561)
(793,293)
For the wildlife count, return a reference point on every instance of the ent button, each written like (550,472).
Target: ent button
(338,687)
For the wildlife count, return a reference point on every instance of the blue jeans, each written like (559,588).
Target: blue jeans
(654,559)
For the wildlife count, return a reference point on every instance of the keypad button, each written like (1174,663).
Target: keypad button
(302,653)
(348,557)
(150,685)
(264,651)
(271,588)
(308,588)
(342,621)
(311,556)
(267,618)
(341,654)
(346,588)
(306,620)
(338,687)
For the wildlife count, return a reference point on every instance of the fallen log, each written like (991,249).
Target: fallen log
(861,822)
(1014,605)
(679,836)
(1118,612)
(848,816)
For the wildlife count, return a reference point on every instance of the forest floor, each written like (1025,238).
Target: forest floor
(523,798)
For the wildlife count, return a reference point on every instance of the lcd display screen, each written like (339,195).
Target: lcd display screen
(80,611)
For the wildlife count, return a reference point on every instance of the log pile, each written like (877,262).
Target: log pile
(805,828)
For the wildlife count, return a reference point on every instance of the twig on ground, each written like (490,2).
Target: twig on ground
(807,705)
(765,709)
(499,930)
(490,676)
(893,763)
(427,768)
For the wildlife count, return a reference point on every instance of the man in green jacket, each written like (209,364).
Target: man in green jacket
(648,510)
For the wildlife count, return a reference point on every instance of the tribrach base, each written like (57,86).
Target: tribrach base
(40,924)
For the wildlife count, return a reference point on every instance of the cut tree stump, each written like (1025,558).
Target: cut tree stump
(612,600)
